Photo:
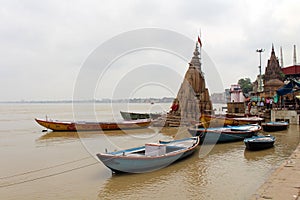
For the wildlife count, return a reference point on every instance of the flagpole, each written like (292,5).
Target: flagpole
(200,44)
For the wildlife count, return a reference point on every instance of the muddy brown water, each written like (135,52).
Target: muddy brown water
(57,165)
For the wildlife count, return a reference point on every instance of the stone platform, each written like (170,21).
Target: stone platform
(292,116)
(284,183)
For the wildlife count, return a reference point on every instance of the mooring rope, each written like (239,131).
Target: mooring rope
(37,170)
(46,176)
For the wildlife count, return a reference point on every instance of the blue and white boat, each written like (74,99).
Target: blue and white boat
(275,126)
(225,134)
(151,157)
(259,142)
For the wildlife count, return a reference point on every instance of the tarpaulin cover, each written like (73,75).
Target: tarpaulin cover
(288,88)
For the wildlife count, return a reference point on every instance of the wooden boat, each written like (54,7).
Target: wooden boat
(135,116)
(274,126)
(56,125)
(259,142)
(225,134)
(248,120)
(218,121)
(152,156)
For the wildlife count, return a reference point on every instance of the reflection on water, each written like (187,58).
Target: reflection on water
(64,136)
(266,154)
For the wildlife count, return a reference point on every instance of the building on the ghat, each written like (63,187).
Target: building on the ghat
(237,99)
(288,105)
(274,77)
(275,95)
(280,86)
(293,72)
(270,82)
(193,97)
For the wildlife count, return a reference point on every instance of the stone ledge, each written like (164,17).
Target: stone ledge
(284,183)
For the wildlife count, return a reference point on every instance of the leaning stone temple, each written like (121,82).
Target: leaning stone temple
(274,76)
(193,97)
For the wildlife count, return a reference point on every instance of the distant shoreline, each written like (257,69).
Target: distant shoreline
(114,101)
(136,100)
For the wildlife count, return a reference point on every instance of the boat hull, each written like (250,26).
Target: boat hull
(92,126)
(127,161)
(217,137)
(225,134)
(248,120)
(118,164)
(136,116)
(214,121)
(259,142)
(219,121)
(275,126)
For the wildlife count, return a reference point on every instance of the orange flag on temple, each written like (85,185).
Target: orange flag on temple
(199,41)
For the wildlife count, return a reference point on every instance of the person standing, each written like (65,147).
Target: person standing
(271,103)
(249,106)
(268,103)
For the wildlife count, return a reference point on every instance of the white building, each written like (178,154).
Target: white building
(236,93)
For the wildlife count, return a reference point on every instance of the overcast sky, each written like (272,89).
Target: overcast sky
(45,43)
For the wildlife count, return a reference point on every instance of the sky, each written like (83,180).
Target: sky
(46,44)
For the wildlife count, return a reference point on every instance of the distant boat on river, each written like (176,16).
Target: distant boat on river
(57,125)
(152,156)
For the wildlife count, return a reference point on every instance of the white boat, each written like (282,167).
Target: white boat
(151,157)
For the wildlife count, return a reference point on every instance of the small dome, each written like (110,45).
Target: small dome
(274,82)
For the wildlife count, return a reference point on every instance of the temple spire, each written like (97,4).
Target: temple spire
(195,62)
(273,69)
(273,52)
(295,56)
(196,51)
(281,58)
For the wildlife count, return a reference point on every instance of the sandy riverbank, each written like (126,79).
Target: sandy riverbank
(284,183)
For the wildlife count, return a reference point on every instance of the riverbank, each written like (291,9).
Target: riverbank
(284,183)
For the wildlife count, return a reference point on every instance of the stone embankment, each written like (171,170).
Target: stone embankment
(284,183)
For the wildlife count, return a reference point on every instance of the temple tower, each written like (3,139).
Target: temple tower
(274,76)
(193,96)
(273,70)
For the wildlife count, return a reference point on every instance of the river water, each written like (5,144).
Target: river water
(54,165)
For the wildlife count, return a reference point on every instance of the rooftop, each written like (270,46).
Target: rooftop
(291,70)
